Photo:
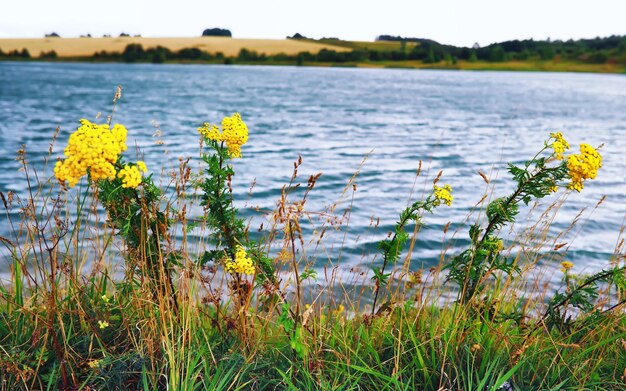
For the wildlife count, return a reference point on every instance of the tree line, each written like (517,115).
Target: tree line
(597,51)
(594,50)
(25,54)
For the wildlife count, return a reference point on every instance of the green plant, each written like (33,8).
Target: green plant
(392,248)
(536,179)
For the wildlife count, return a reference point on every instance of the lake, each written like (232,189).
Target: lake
(458,122)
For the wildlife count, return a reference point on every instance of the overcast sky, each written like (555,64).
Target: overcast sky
(459,22)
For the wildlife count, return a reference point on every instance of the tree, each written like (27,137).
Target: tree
(50,54)
(431,58)
(546,52)
(133,52)
(216,32)
(297,36)
(472,56)
(497,54)
(189,54)
(158,55)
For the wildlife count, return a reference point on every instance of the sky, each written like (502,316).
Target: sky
(457,22)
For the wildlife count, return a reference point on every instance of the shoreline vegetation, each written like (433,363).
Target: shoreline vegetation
(599,55)
(202,301)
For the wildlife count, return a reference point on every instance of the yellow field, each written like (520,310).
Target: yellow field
(78,47)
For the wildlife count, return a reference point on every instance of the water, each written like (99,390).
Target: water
(459,122)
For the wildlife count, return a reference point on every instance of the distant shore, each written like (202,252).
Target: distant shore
(513,66)
(222,50)
(83,47)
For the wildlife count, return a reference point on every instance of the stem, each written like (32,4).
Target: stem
(590,281)
(513,197)
(295,269)
(225,227)
(386,254)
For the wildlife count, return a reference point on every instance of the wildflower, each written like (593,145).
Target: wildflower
(443,194)
(499,245)
(559,145)
(241,264)
(105,298)
(339,310)
(583,166)
(92,149)
(93,364)
(234,134)
(142,166)
(130,176)
(415,277)
(211,132)
(566,265)
(103,324)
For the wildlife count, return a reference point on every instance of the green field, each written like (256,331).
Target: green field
(384,46)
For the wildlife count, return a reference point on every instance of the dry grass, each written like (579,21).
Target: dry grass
(78,47)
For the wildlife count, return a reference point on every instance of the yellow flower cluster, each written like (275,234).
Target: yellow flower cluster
(103,324)
(92,149)
(241,264)
(559,145)
(234,133)
(583,166)
(443,194)
(130,175)
(566,265)
(93,364)
(142,166)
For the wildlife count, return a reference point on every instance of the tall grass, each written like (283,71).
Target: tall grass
(142,300)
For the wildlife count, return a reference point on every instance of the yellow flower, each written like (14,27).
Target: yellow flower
(92,149)
(499,246)
(339,310)
(130,176)
(103,324)
(583,166)
(559,145)
(105,298)
(241,264)
(234,134)
(93,364)
(443,194)
(211,132)
(566,265)
(415,277)
(142,166)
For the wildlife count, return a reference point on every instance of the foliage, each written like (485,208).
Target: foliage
(216,32)
(179,318)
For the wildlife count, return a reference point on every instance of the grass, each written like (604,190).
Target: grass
(531,66)
(285,327)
